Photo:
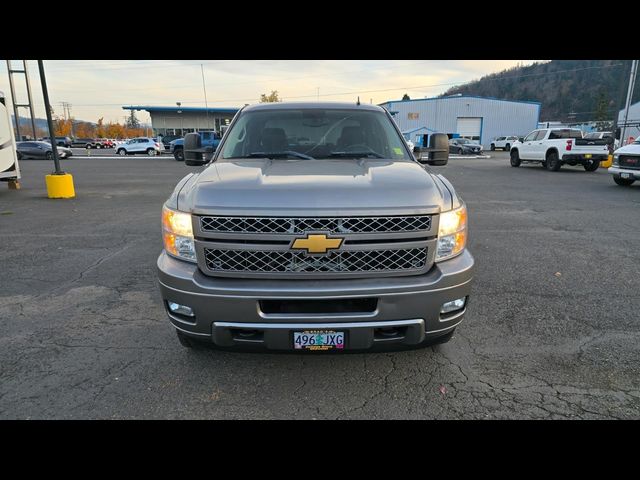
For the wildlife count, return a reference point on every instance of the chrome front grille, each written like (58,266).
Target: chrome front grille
(297,225)
(283,261)
(629,161)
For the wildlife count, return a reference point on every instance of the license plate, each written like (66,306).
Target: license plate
(318,340)
(588,155)
(625,175)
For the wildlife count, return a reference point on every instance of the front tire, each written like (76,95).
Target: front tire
(179,155)
(515,158)
(19,155)
(553,162)
(122,152)
(151,152)
(507,147)
(48,155)
(493,147)
(592,165)
(460,151)
(623,182)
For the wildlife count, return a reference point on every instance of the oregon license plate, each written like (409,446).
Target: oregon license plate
(625,175)
(318,340)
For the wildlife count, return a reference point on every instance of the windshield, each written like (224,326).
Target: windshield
(464,141)
(314,133)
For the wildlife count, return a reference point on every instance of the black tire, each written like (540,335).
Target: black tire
(19,155)
(122,152)
(553,162)
(151,152)
(493,147)
(178,155)
(507,147)
(460,151)
(515,158)
(592,165)
(623,182)
(184,340)
(48,155)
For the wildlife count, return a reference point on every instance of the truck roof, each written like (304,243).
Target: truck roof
(304,105)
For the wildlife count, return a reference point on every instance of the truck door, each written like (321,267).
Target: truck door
(526,150)
(539,147)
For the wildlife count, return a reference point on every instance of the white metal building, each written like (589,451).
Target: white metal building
(633,130)
(476,118)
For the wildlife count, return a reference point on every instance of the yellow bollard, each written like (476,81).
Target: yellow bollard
(60,186)
(607,163)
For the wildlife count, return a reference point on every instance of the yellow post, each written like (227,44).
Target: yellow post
(60,186)
(607,163)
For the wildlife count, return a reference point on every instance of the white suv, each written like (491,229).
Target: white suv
(503,142)
(139,145)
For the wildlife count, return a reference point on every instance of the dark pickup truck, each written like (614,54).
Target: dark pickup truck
(208,142)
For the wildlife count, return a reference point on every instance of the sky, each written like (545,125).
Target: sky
(99,88)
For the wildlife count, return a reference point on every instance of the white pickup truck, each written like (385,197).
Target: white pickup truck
(554,147)
(626,164)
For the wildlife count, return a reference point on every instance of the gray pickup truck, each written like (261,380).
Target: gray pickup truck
(314,228)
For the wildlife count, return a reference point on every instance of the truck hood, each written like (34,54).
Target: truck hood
(631,149)
(318,187)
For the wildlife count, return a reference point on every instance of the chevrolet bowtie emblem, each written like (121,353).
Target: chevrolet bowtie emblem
(316,243)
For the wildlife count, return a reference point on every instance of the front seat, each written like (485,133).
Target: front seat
(350,136)
(273,140)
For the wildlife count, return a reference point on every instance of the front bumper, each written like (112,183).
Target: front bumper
(227,311)
(635,174)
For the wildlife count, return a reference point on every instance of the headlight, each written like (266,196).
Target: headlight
(452,233)
(177,234)
(616,160)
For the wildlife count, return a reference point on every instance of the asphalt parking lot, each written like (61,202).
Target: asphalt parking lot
(552,330)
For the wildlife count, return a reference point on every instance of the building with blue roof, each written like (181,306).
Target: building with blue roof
(180,120)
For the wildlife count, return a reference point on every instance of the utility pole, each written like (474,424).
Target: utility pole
(47,107)
(632,84)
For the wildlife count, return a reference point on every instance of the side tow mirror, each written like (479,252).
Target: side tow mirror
(193,151)
(438,152)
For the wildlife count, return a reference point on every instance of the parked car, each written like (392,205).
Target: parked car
(208,138)
(626,164)
(554,147)
(84,142)
(104,143)
(340,240)
(503,142)
(464,146)
(60,141)
(139,145)
(40,150)
(167,139)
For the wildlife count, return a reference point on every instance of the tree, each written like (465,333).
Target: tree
(100,128)
(132,121)
(601,114)
(273,97)
(406,97)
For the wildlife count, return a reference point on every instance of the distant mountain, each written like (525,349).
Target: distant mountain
(569,90)
(41,123)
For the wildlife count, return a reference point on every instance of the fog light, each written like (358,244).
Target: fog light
(180,309)
(453,305)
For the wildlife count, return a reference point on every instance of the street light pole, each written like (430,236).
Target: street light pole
(47,107)
(59,184)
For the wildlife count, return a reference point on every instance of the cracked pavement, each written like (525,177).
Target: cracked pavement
(552,330)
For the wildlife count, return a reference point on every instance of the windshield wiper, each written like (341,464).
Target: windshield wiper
(285,153)
(357,154)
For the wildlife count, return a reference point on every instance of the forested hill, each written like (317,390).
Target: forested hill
(569,90)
